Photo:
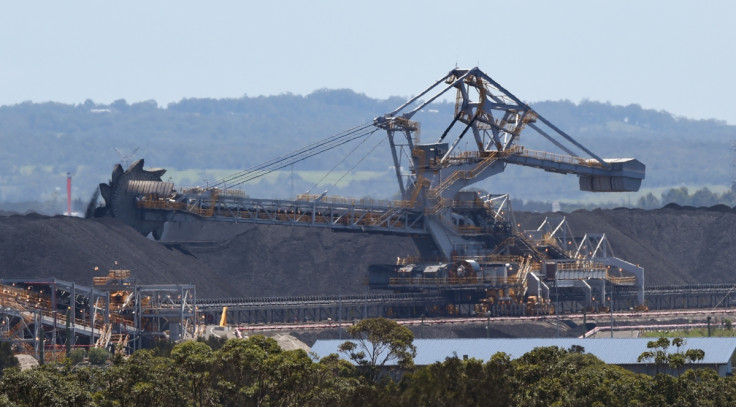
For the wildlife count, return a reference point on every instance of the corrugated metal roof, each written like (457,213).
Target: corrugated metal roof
(407,269)
(433,269)
(615,351)
(150,187)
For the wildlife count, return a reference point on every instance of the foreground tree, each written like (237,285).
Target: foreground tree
(457,382)
(141,380)
(663,359)
(257,372)
(7,359)
(98,356)
(195,361)
(337,383)
(377,341)
(44,386)
(554,376)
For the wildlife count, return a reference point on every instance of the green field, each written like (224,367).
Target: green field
(212,175)
(690,333)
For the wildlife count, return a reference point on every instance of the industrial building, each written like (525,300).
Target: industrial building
(624,352)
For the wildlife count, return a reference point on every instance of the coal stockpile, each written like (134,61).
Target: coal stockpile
(70,249)
(675,245)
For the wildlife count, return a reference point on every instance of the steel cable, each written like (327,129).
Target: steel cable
(361,160)
(342,161)
(294,156)
(292,159)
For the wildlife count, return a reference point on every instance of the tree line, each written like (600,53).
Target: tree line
(44,141)
(700,198)
(256,372)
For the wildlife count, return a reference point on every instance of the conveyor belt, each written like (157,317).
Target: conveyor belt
(314,300)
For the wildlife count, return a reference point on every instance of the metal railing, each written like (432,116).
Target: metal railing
(352,201)
(622,280)
(558,158)
(454,281)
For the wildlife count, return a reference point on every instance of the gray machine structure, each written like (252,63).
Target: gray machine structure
(51,316)
(486,259)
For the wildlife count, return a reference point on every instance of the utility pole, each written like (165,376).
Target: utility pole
(42,358)
(610,304)
(68,331)
(68,194)
(557,300)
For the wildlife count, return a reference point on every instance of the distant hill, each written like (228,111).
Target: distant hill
(199,140)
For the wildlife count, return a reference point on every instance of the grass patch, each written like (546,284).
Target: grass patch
(198,176)
(690,333)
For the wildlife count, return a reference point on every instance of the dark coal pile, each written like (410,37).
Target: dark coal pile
(674,245)
(69,249)
(271,260)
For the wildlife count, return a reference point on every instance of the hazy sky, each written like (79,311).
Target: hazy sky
(669,55)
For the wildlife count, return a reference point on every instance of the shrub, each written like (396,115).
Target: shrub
(98,356)
(77,355)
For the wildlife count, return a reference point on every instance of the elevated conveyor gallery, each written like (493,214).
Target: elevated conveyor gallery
(52,315)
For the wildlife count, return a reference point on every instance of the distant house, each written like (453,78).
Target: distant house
(624,352)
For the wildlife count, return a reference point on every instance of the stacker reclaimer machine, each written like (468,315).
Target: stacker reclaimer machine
(484,263)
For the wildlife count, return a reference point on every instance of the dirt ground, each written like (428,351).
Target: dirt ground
(674,245)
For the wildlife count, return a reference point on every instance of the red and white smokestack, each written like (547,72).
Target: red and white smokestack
(69,194)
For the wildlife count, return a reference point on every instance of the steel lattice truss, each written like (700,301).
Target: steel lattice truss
(495,119)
